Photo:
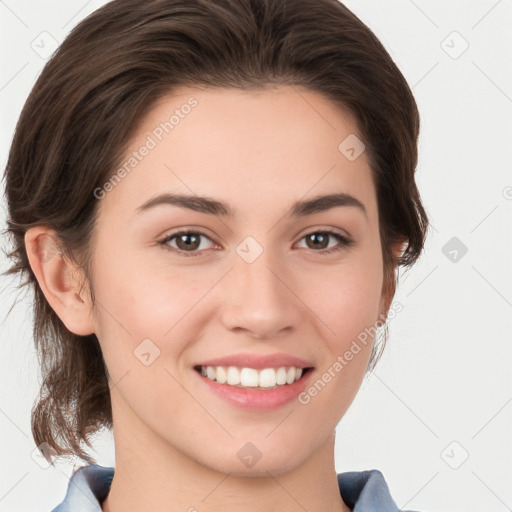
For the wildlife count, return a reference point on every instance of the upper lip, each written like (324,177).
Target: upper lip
(258,361)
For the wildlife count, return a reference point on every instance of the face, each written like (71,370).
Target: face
(258,271)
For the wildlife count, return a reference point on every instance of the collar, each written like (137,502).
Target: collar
(362,491)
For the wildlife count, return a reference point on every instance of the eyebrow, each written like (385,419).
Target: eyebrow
(213,207)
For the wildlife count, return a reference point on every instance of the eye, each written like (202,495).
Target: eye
(319,241)
(188,243)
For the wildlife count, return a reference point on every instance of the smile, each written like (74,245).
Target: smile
(265,378)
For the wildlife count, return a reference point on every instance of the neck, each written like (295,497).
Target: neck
(150,474)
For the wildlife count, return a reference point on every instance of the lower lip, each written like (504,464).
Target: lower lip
(257,399)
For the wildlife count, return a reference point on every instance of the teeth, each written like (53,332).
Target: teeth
(233,376)
(251,378)
(221,376)
(267,378)
(281,376)
(248,376)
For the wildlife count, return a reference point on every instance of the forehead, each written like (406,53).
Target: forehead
(278,144)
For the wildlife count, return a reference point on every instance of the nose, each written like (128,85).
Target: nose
(258,298)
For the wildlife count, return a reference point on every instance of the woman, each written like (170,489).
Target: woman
(211,200)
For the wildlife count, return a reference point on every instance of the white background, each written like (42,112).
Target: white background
(442,391)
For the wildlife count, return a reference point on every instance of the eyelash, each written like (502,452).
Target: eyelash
(344,242)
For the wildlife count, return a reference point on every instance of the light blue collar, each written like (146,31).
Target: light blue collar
(362,491)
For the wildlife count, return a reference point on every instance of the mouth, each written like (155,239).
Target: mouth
(255,379)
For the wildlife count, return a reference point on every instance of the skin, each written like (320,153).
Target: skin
(258,151)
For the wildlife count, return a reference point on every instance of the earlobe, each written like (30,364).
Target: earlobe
(389,284)
(57,278)
(397,249)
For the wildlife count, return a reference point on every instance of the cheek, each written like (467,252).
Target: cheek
(146,309)
(347,298)
(349,313)
(139,293)
(145,331)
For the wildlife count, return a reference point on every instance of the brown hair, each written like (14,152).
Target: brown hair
(109,71)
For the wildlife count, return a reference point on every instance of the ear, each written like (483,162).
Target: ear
(59,280)
(389,285)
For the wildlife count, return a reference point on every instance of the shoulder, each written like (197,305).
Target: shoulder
(87,488)
(366,491)
(362,491)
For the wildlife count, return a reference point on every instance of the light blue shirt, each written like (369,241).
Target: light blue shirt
(362,491)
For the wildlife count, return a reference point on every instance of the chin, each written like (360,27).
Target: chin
(276,464)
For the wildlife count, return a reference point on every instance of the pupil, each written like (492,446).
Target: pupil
(316,237)
(185,239)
